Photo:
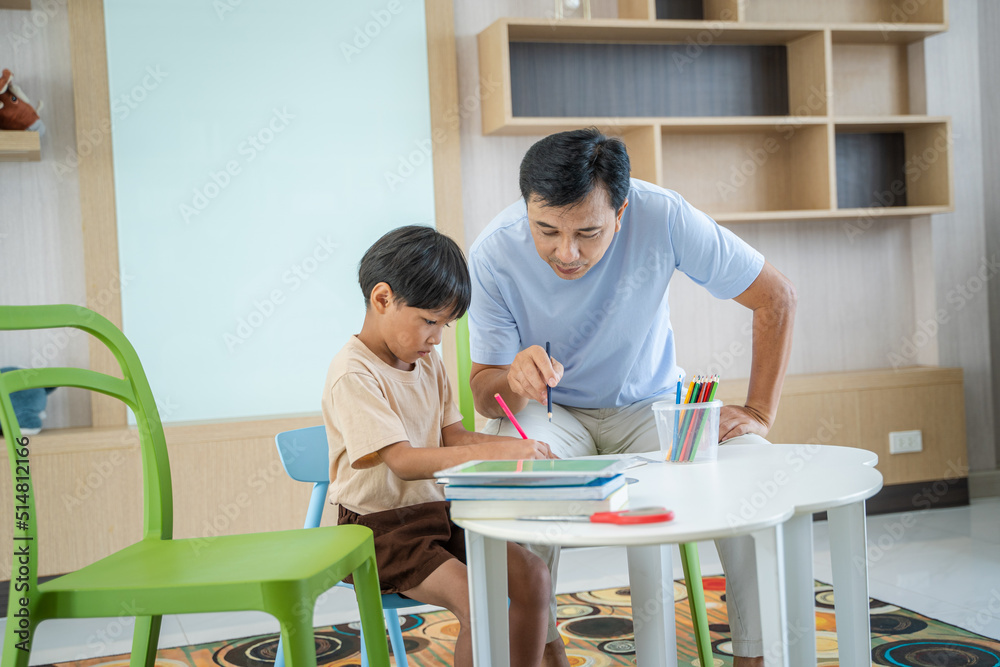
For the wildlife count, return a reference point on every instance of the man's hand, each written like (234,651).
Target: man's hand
(522,449)
(532,371)
(737,420)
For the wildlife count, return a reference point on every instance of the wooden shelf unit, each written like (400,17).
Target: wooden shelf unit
(847,12)
(750,121)
(20,146)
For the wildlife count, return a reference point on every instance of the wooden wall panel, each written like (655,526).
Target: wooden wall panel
(227,479)
(41,239)
(937,411)
(97,189)
(446,147)
(861,409)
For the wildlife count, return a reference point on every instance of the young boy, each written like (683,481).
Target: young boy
(387,401)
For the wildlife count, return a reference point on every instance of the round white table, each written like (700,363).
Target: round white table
(767,491)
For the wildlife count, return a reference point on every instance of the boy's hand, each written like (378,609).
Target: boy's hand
(532,371)
(524,449)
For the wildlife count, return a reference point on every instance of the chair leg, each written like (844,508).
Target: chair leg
(297,641)
(145,637)
(279,656)
(366,588)
(396,637)
(14,634)
(696,600)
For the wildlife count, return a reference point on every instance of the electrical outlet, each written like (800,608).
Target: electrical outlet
(905,442)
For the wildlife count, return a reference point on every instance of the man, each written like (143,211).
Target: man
(584,262)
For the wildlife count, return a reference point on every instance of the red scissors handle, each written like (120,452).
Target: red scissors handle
(638,515)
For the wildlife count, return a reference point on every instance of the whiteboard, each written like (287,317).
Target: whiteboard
(259,148)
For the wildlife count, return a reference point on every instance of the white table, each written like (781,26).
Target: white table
(767,491)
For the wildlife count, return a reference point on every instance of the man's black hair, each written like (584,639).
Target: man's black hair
(562,169)
(424,268)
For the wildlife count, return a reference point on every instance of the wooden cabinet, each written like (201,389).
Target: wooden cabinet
(761,110)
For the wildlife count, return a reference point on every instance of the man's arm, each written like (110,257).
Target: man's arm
(772,299)
(486,382)
(523,380)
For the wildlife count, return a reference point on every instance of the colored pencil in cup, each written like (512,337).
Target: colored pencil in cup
(677,416)
(510,415)
(693,391)
(709,399)
(548,389)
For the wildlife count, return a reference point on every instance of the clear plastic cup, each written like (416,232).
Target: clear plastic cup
(689,432)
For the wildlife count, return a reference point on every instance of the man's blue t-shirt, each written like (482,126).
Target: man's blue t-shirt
(609,328)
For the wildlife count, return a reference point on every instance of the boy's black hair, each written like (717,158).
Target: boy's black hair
(424,268)
(562,169)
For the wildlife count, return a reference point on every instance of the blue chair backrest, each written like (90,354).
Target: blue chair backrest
(305,454)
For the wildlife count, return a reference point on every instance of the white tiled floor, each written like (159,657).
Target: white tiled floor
(942,562)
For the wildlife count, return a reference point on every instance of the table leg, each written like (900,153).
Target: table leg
(848,553)
(487,567)
(651,580)
(800,584)
(770,552)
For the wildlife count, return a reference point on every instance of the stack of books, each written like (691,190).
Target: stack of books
(513,489)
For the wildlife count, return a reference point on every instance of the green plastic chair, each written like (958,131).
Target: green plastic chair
(689,551)
(281,573)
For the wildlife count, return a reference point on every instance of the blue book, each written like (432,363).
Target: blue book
(597,489)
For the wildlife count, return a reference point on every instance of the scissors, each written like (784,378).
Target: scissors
(621,517)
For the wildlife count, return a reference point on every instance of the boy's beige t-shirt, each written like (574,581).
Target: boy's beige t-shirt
(367,405)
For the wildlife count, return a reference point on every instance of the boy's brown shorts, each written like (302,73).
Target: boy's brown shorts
(410,542)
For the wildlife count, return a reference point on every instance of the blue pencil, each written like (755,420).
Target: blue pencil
(677,415)
(548,389)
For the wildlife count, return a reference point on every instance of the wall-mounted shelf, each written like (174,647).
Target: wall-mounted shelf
(20,146)
(844,13)
(15,4)
(749,120)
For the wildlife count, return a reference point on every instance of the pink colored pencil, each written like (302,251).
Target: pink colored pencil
(510,415)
